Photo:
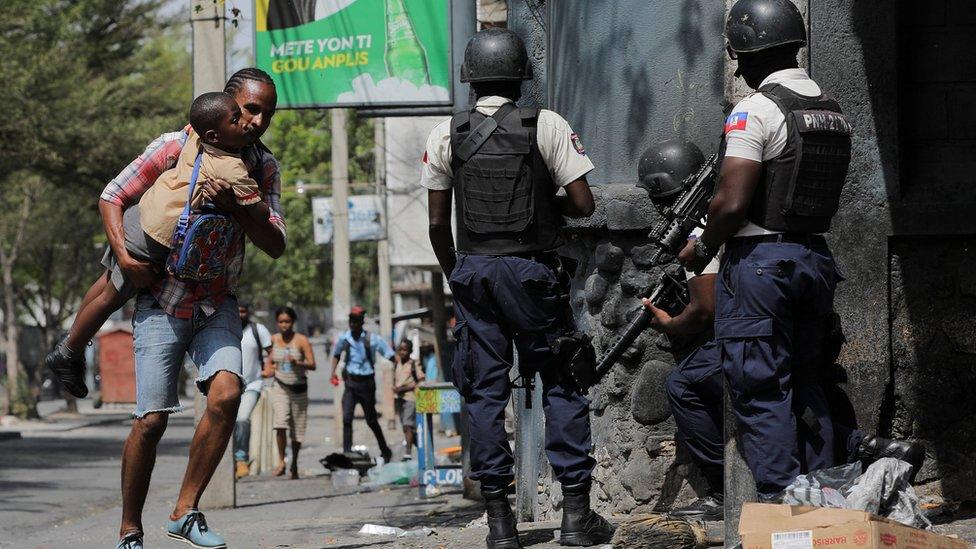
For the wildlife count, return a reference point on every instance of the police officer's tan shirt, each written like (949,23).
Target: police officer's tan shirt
(160,207)
(560,147)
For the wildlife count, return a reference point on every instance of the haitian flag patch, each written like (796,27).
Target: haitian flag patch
(736,121)
(577,144)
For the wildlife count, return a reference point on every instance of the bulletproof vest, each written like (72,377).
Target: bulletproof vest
(504,194)
(800,188)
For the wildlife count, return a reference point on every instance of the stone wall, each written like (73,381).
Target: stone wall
(639,467)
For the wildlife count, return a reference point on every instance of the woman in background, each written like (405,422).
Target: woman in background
(290,358)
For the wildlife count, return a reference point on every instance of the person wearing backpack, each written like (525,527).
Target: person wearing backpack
(406,378)
(255,345)
(359,375)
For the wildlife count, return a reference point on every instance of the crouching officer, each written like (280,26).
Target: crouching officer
(505,165)
(695,386)
(786,154)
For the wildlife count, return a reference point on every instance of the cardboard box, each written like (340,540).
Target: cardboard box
(764,526)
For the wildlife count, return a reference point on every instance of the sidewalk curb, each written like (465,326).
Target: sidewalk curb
(58,427)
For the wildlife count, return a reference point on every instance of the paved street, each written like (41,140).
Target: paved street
(61,489)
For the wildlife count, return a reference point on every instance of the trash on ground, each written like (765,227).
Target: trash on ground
(400,472)
(883,490)
(342,478)
(479,522)
(360,461)
(379,530)
(771,526)
(657,530)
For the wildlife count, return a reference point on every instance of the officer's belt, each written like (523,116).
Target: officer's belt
(807,239)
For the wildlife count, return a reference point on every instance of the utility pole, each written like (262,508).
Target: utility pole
(341,299)
(383,265)
(209,73)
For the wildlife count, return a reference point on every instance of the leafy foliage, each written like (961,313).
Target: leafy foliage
(302,143)
(87,84)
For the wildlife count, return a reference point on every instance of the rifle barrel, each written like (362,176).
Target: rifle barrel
(636,327)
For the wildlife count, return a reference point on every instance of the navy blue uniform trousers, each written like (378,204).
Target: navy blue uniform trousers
(500,301)
(772,304)
(695,390)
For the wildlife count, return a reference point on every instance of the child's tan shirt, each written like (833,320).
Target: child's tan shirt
(408,374)
(161,206)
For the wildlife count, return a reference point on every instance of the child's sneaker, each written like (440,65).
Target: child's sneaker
(69,368)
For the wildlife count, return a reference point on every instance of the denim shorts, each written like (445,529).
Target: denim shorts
(162,342)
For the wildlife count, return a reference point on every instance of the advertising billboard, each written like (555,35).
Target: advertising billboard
(356,53)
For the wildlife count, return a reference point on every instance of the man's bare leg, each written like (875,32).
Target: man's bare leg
(210,440)
(138,459)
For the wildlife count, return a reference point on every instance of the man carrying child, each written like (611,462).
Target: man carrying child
(174,317)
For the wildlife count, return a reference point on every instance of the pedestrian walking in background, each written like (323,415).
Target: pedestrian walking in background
(255,345)
(291,357)
(406,378)
(359,375)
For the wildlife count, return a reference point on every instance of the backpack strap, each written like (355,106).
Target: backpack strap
(257,340)
(368,348)
(183,224)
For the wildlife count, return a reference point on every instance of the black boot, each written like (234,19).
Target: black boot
(708,508)
(581,526)
(501,522)
(873,448)
(69,368)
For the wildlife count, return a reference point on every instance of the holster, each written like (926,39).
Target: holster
(575,351)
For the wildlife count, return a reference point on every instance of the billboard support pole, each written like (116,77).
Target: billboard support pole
(383,264)
(209,72)
(341,300)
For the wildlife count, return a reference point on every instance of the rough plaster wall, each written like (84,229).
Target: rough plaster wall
(627,74)
(933,303)
(851,58)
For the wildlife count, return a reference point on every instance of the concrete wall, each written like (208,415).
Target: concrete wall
(629,73)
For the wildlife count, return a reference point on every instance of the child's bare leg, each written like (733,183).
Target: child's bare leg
(101,300)
(408,435)
(95,289)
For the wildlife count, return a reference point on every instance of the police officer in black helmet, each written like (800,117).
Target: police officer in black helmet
(695,385)
(504,165)
(786,153)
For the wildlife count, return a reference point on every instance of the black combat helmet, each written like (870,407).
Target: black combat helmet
(495,55)
(755,25)
(665,165)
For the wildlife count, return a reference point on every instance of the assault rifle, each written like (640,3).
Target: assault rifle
(670,295)
(671,232)
(668,235)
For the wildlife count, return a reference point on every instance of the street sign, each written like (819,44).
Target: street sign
(365,218)
(343,53)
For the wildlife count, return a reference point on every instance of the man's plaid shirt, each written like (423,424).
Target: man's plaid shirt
(175,297)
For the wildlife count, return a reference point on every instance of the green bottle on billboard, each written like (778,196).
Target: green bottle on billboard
(405,56)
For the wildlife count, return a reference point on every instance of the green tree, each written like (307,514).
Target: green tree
(87,84)
(302,141)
